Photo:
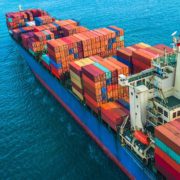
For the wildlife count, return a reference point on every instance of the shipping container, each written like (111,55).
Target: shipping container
(113,114)
(169,172)
(169,134)
(43,20)
(175,156)
(167,159)
(163,47)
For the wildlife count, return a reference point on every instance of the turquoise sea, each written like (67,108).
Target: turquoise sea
(38,138)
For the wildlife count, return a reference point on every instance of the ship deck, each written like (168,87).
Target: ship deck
(172,102)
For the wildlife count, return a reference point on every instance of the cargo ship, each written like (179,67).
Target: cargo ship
(127,99)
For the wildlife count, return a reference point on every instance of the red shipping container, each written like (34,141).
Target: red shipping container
(45,65)
(163,47)
(93,72)
(162,166)
(113,114)
(55,72)
(169,134)
(167,159)
(92,103)
(125,54)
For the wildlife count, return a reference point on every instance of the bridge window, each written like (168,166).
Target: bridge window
(178,113)
(160,110)
(174,114)
(165,113)
(160,119)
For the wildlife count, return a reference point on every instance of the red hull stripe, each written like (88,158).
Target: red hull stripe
(86,129)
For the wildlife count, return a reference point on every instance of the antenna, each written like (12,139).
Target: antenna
(165,56)
(175,41)
(174,33)
(20,7)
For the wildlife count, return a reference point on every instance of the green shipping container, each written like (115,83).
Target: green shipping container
(167,150)
(46,59)
(104,69)
(32,52)
(121,38)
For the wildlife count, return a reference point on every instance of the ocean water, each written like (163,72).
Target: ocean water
(38,138)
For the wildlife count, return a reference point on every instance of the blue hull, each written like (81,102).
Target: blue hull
(110,144)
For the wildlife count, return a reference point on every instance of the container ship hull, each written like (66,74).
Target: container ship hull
(103,136)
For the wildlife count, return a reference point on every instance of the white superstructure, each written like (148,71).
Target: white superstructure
(177,77)
(154,98)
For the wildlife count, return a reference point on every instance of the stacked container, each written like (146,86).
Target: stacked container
(167,150)
(110,90)
(109,82)
(163,47)
(15,20)
(114,68)
(142,58)
(35,46)
(25,38)
(18,31)
(124,55)
(45,60)
(18,19)
(37,12)
(76,76)
(43,35)
(119,92)
(94,83)
(72,29)
(43,20)
(61,28)
(66,22)
(77,46)
(103,42)
(113,114)
(65,50)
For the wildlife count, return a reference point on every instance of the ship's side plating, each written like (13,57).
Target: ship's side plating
(109,143)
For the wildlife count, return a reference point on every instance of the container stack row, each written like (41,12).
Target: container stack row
(19,19)
(18,32)
(76,76)
(43,20)
(139,57)
(61,28)
(94,86)
(89,80)
(167,150)
(63,51)
(124,55)
(113,114)
(101,41)
(95,80)
(114,90)
(37,41)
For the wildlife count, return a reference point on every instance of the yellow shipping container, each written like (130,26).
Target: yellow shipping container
(75,76)
(84,62)
(144,45)
(78,94)
(77,83)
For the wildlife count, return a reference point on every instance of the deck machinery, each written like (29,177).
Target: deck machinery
(154,100)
